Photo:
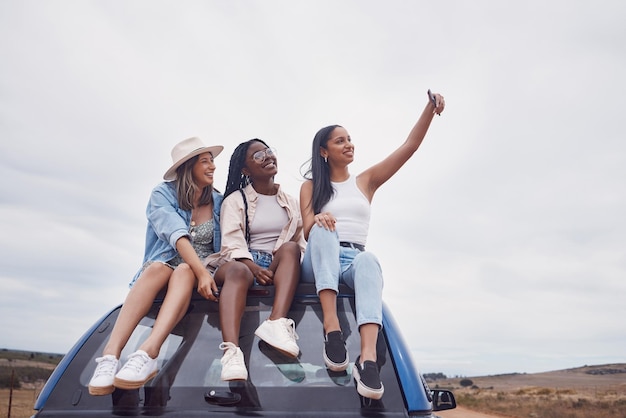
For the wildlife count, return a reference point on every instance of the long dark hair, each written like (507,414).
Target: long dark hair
(318,170)
(186,187)
(236,179)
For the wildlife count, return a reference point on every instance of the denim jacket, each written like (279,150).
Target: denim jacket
(167,223)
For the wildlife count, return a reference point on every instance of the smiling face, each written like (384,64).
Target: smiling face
(339,147)
(260,162)
(203,170)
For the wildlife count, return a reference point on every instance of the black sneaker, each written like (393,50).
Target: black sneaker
(367,379)
(335,354)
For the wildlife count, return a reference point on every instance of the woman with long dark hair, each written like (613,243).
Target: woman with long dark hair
(335,207)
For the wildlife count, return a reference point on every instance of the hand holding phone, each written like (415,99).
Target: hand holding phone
(431,96)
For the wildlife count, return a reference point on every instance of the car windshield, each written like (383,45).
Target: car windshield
(189,362)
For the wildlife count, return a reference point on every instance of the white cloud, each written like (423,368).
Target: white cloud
(502,240)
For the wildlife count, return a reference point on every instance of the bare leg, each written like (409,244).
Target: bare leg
(328,300)
(286,267)
(237,279)
(369,336)
(174,307)
(137,304)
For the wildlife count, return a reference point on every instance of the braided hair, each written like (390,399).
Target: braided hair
(237,180)
(318,170)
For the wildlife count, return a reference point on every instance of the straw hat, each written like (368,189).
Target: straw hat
(186,150)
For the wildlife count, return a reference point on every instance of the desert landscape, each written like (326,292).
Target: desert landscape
(588,391)
(583,392)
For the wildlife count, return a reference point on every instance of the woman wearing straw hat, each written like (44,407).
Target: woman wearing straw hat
(183,228)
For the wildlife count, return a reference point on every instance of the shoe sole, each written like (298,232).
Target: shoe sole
(230,379)
(366,391)
(129,384)
(101,390)
(336,367)
(287,352)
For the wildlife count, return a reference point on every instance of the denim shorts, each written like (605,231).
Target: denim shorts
(262,258)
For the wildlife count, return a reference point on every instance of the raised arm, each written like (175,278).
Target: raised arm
(372,178)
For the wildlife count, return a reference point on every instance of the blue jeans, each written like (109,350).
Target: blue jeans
(328,264)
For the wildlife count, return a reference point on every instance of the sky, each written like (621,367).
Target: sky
(502,240)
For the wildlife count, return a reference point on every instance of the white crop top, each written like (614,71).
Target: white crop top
(352,210)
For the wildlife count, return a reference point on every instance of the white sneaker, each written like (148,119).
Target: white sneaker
(101,382)
(233,365)
(280,334)
(139,368)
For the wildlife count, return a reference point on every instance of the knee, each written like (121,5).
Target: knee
(322,234)
(236,272)
(183,269)
(368,261)
(183,275)
(289,249)
(157,269)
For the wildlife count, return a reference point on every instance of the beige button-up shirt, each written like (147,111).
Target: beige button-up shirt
(233,225)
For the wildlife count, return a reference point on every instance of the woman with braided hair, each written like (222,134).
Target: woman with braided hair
(262,243)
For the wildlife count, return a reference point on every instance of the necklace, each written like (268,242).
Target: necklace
(200,214)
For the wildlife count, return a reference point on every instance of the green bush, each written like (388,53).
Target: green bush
(22,374)
(5,379)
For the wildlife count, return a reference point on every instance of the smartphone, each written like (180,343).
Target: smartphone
(431,96)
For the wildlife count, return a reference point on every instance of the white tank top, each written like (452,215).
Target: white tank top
(352,210)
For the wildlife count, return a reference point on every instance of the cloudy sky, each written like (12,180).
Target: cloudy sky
(503,240)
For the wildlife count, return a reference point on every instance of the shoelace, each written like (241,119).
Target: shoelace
(290,327)
(136,361)
(230,353)
(105,366)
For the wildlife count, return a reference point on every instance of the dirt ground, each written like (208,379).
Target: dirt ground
(460,412)
(595,385)
(578,378)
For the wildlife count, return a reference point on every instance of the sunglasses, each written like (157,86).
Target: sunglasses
(260,156)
